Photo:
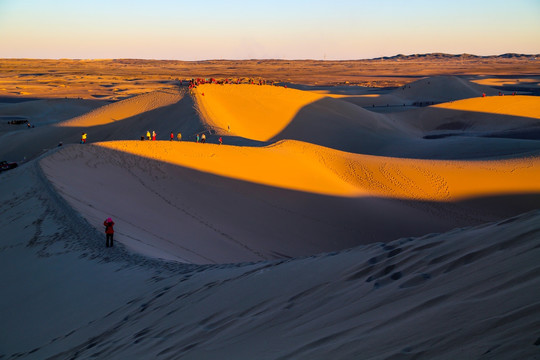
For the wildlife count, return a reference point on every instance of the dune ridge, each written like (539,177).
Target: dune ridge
(306,167)
(326,231)
(123,109)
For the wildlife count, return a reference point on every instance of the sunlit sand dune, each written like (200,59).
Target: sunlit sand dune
(442,89)
(305,167)
(425,91)
(124,109)
(318,230)
(272,113)
(523,106)
(207,203)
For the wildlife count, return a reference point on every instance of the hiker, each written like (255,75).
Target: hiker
(203,138)
(179,136)
(220,140)
(148,135)
(153,135)
(109,232)
(172,136)
(197,137)
(83,138)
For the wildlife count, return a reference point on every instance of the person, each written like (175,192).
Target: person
(109,232)
(179,136)
(83,138)
(220,140)
(153,135)
(203,138)
(197,137)
(148,135)
(172,136)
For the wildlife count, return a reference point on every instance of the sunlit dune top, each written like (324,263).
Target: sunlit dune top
(251,111)
(306,167)
(526,106)
(124,109)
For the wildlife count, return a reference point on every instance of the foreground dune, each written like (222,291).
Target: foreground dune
(305,167)
(207,203)
(321,231)
(402,299)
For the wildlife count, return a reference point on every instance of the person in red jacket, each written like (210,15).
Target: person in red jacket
(109,231)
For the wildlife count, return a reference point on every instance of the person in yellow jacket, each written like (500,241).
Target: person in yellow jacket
(83,138)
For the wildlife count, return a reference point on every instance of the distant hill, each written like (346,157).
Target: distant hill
(443,56)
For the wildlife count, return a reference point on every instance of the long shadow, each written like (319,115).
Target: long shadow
(253,222)
(428,133)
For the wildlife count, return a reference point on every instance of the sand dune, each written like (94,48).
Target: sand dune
(271,113)
(442,89)
(172,200)
(523,106)
(124,109)
(319,230)
(400,299)
(425,91)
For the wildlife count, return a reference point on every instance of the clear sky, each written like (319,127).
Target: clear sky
(249,29)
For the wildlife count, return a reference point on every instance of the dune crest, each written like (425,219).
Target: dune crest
(124,109)
(254,112)
(306,167)
(525,106)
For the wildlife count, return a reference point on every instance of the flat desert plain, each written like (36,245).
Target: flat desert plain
(374,209)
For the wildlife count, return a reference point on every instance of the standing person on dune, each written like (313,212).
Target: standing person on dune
(148,135)
(109,232)
(153,135)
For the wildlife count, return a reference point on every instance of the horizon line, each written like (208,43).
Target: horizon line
(281,59)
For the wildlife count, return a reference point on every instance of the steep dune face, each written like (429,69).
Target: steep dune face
(70,297)
(271,113)
(205,203)
(522,106)
(124,109)
(436,89)
(489,114)
(442,89)
(254,112)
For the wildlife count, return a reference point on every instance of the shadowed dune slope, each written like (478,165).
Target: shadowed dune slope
(489,114)
(264,112)
(442,89)
(436,89)
(215,204)
(522,106)
(160,111)
(272,113)
(124,109)
(70,297)
(255,112)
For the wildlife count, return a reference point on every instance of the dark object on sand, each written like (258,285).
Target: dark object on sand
(4,165)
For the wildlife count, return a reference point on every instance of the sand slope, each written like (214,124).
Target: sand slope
(124,109)
(402,299)
(284,247)
(207,203)
(272,113)
(436,89)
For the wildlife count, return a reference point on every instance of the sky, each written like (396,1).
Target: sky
(261,29)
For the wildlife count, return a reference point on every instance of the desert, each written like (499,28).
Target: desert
(371,209)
